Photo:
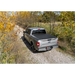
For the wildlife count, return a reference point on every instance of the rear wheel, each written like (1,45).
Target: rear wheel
(32,47)
(24,36)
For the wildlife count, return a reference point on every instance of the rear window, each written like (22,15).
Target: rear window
(39,32)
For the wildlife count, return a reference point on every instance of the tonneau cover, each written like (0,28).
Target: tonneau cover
(43,36)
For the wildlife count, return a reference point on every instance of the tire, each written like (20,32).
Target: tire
(32,47)
(24,36)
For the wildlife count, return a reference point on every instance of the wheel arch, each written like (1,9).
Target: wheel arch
(31,42)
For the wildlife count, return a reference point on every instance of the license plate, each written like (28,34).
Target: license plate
(47,47)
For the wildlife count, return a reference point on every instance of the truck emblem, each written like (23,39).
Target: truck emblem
(49,42)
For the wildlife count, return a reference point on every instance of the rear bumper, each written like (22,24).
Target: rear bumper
(45,48)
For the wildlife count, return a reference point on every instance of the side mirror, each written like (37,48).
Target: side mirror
(24,31)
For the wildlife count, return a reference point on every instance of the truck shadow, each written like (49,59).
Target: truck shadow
(29,46)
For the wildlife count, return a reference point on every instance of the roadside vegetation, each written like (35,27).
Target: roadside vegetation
(8,37)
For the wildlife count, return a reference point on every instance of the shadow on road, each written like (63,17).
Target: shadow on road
(29,46)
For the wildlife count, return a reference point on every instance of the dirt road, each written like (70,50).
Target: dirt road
(49,57)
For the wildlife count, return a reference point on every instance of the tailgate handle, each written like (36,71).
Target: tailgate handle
(49,39)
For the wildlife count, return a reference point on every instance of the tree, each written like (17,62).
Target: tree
(7,24)
(47,16)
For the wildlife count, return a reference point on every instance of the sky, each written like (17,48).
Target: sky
(42,11)
(58,11)
(10,12)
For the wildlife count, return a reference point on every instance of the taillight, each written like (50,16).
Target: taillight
(38,29)
(57,41)
(38,44)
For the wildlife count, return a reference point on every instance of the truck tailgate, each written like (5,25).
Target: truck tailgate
(48,42)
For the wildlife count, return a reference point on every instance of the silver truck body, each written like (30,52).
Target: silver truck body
(40,43)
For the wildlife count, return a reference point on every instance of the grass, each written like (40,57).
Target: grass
(63,48)
(46,26)
(0,49)
(43,25)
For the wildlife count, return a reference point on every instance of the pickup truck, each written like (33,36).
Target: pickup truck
(40,40)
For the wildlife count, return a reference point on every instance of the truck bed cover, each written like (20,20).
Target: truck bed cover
(44,36)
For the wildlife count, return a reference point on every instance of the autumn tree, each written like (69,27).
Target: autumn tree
(66,31)
(22,18)
(47,16)
(7,24)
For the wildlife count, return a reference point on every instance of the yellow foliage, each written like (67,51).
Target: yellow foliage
(1,27)
(24,13)
(4,50)
(7,24)
(2,38)
(0,41)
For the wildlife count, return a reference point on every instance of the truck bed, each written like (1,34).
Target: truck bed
(43,36)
